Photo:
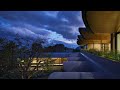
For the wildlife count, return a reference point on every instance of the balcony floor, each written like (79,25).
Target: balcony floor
(99,68)
(104,64)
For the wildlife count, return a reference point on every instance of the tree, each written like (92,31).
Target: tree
(37,45)
(9,52)
(59,48)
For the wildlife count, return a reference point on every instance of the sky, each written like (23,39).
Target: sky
(58,27)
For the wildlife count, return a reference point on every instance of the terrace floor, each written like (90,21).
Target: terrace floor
(106,64)
(99,66)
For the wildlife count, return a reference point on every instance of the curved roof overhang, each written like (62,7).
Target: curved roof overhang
(97,36)
(102,21)
(82,29)
(80,37)
(83,32)
(85,22)
(79,41)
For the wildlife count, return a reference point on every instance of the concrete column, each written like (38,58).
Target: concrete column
(86,46)
(111,42)
(101,46)
(104,46)
(118,42)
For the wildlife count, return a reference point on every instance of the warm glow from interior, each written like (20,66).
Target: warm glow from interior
(56,61)
(118,42)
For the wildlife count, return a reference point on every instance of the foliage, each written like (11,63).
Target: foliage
(17,57)
(41,66)
(115,56)
(7,55)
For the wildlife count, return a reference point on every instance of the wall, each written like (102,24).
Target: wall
(109,47)
(118,42)
(97,46)
(90,46)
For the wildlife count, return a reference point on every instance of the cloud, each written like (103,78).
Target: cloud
(73,17)
(33,24)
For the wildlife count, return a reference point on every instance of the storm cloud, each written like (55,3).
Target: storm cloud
(33,24)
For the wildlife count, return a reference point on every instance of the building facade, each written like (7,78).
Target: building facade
(102,30)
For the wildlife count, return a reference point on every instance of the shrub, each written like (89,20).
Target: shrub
(115,56)
(16,59)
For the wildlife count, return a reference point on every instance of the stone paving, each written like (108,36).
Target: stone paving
(77,66)
(86,66)
(79,75)
(111,66)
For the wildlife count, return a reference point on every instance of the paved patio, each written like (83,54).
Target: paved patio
(97,68)
(79,75)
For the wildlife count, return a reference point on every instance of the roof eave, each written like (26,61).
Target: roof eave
(86,22)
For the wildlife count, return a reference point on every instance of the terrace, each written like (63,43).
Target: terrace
(99,57)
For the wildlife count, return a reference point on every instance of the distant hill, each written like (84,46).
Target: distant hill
(66,44)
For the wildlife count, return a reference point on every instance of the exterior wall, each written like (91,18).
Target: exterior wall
(90,46)
(97,46)
(118,42)
(109,47)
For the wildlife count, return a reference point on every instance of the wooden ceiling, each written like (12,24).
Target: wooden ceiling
(103,21)
(96,36)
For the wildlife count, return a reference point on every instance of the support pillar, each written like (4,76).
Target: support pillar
(115,42)
(101,46)
(111,42)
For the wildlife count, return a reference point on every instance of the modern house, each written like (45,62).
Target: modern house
(102,30)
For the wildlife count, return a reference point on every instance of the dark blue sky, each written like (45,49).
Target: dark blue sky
(55,26)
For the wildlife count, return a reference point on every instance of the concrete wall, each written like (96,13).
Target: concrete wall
(97,46)
(89,46)
(109,47)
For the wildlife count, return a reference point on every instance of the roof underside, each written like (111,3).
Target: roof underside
(100,25)
(103,21)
